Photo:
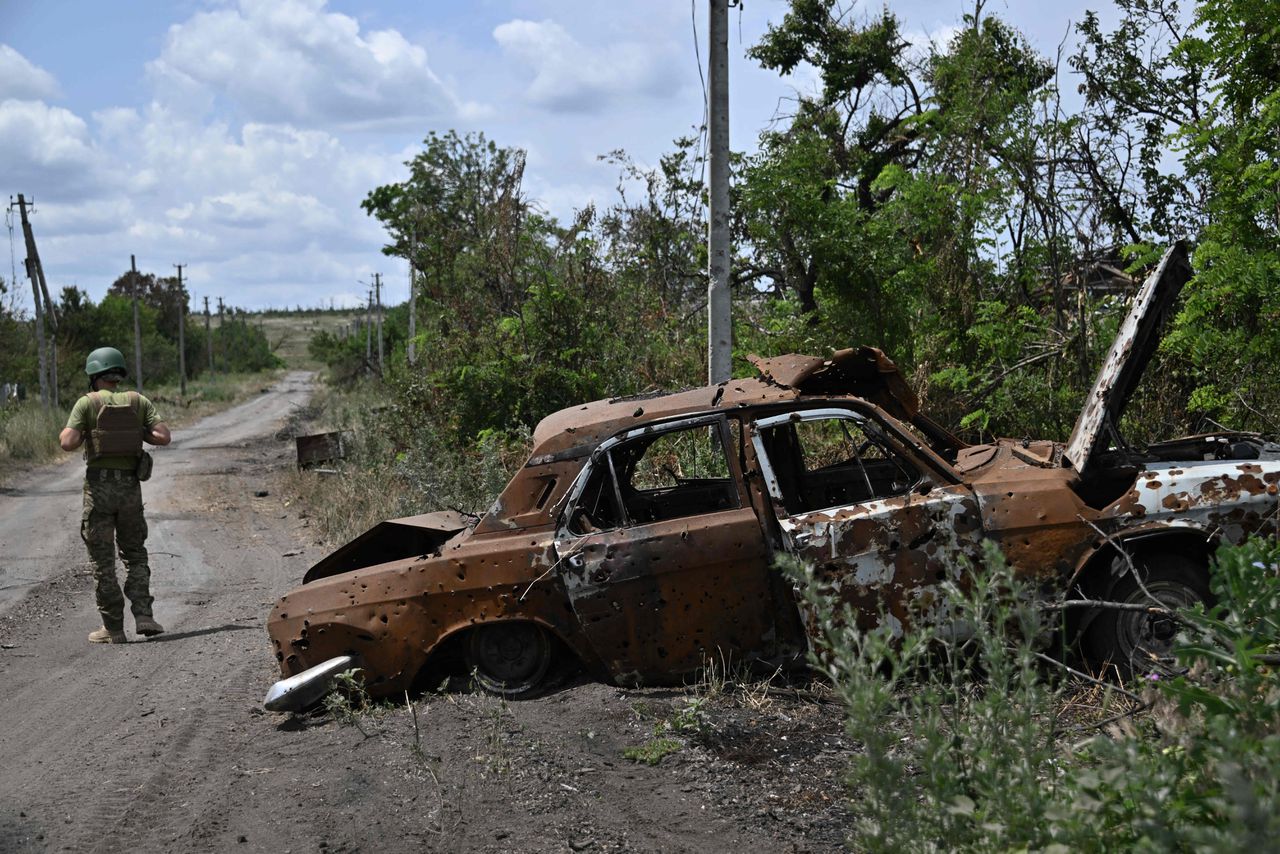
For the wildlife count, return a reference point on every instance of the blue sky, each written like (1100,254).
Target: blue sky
(239,136)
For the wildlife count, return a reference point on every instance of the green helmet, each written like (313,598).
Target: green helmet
(104,359)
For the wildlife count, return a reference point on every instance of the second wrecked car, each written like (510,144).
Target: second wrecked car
(642,534)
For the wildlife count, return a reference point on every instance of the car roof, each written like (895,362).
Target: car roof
(591,423)
(862,373)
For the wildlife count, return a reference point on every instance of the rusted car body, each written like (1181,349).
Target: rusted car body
(641,537)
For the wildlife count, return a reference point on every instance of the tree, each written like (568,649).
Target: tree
(1202,88)
(161,293)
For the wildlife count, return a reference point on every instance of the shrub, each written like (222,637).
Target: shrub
(965,744)
(956,733)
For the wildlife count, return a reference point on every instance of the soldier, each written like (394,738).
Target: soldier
(113,425)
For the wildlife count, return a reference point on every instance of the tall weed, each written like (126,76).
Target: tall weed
(398,473)
(956,734)
(965,747)
(1204,776)
(29,432)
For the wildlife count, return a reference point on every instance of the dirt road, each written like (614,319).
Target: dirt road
(162,744)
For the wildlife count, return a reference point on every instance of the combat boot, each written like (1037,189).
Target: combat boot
(148,626)
(105,635)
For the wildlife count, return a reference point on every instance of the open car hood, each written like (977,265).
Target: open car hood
(394,539)
(863,372)
(1136,342)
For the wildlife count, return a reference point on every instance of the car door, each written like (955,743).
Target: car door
(878,526)
(662,555)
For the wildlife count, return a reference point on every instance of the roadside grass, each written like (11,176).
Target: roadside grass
(288,334)
(207,395)
(29,433)
(380,479)
(983,743)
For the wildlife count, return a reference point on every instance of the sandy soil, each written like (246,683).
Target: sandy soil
(162,744)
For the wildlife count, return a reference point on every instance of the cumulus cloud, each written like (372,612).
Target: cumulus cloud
(268,188)
(22,80)
(48,151)
(292,61)
(571,77)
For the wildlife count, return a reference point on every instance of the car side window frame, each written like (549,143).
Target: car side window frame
(773,483)
(603,456)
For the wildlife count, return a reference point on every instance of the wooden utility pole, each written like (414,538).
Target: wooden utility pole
(36,275)
(719,323)
(208,336)
(182,334)
(137,326)
(377,296)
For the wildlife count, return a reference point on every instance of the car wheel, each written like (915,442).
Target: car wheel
(1133,642)
(509,659)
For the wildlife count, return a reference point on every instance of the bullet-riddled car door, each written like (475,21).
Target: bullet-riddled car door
(663,557)
(873,522)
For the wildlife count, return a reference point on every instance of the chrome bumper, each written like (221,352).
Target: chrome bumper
(305,689)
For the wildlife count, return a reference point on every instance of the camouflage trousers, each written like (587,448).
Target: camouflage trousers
(113,514)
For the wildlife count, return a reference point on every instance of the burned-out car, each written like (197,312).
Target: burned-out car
(642,535)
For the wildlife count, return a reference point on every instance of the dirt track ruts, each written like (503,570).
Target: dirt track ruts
(162,745)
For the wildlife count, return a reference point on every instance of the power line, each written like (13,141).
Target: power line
(706,103)
(13,258)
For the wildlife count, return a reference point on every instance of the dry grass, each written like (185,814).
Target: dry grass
(207,395)
(346,498)
(28,436)
(289,335)
(29,433)
(343,505)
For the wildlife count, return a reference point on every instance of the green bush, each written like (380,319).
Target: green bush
(956,734)
(1204,777)
(965,744)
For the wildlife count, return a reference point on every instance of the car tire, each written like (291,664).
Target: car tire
(1133,643)
(510,659)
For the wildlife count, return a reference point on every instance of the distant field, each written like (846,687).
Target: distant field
(288,334)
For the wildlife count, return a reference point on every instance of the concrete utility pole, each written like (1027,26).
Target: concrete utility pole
(377,296)
(182,335)
(410,349)
(137,327)
(36,274)
(208,336)
(368,331)
(719,323)
(222,350)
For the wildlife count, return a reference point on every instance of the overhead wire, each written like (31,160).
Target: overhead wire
(703,141)
(13,259)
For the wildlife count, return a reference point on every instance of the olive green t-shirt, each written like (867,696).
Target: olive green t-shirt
(84,418)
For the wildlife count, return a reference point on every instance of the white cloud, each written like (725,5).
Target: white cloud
(261,188)
(48,151)
(117,123)
(86,218)
(22,80)
(292,61)
(570,77)
(259,208)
